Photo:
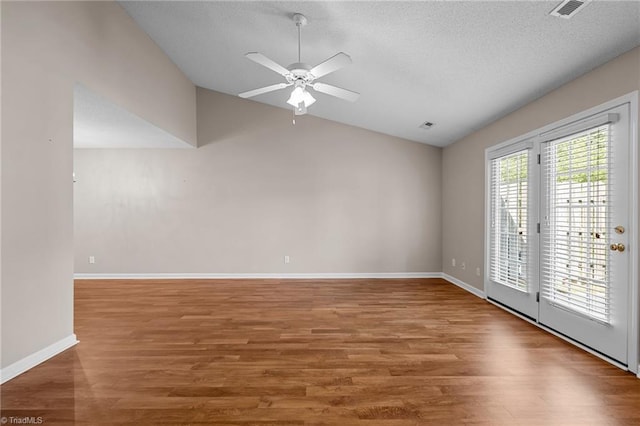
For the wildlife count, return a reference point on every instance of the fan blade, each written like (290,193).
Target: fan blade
(266,62)
(262,90)
(330,65)
(338,92)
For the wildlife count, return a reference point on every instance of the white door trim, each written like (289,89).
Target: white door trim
(634,238)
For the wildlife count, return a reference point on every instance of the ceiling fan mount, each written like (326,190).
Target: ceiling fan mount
(300,19)
(302,76)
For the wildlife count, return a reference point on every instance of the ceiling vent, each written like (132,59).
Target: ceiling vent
(568,8)
(426,125)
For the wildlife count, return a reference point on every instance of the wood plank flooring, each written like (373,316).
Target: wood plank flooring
(341,352)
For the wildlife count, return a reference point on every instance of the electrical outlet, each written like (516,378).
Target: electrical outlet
(453,261)
(287,259)
(463,266)
(478,271)
(92,259)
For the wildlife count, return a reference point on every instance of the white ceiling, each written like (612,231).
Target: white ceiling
(99,123)
(460,65)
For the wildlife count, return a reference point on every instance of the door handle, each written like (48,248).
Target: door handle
(617,247)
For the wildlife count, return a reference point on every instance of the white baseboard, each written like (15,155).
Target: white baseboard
(285,276)
(471,289)
(30,361)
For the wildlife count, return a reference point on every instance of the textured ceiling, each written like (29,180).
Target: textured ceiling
(99,123)
(460,65)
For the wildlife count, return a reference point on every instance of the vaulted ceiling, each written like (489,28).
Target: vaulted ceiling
(459,65)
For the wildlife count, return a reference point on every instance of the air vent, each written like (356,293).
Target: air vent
(426,125)
(568,8)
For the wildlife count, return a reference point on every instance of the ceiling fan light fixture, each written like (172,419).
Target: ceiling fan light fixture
(300,95)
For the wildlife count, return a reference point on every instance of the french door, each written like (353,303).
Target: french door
(558,229)
(584,229)
(513,229)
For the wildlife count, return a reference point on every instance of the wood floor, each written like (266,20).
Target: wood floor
(348,352)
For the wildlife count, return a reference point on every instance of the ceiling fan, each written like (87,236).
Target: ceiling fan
(302,77)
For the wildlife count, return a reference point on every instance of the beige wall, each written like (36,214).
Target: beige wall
(335,198)
(463,162)
(46,48)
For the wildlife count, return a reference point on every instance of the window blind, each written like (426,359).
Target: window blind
(509,188)
(575,255)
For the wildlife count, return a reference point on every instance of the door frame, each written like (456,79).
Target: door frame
(633,336)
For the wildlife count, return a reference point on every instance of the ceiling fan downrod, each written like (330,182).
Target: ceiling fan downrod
(300,21)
